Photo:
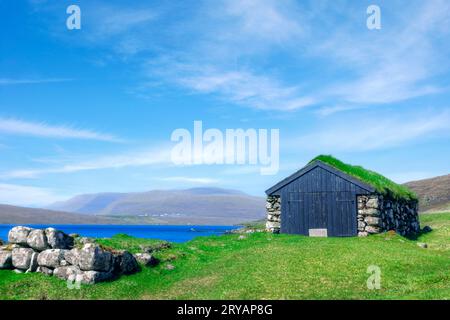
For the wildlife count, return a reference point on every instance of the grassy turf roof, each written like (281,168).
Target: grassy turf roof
(382,184)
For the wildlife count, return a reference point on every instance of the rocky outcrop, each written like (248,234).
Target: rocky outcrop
(273,208)
(51,252)
(378,213)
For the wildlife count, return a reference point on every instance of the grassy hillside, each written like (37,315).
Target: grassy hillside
(382,184)
(266,266)
(434,193)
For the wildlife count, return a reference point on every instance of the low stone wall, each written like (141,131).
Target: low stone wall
(377,213)
(52,252)
(273,207)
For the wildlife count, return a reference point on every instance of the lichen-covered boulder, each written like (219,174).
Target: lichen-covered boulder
(126,263)
(94,258)
(51,258)
(93,277)
(45,270)
(146,259)
(58,239)
(5,259)
(24,258)
(19,235)
(68,272)
(37,240)
(72,256)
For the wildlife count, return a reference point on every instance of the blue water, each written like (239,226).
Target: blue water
(169,233)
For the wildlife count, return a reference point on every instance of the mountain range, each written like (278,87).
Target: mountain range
(212,206)
(196,206)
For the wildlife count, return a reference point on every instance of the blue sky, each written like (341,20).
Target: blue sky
(93,110)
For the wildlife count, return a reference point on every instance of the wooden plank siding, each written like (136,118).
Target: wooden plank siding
(319,198)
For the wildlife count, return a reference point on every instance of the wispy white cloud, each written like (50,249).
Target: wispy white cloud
(190,180)
(26,195)
(374,133)
(130,159)
(41,129)
(8,81)
(395,63)
(245,88)
(110,20)
(326,111)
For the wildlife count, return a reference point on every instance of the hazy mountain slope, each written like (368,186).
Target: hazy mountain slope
(21,215)
(87,203)
(434,193)
(212,204)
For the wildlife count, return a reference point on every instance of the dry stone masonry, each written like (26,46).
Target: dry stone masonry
(52,252)
(378,213)
(273,207)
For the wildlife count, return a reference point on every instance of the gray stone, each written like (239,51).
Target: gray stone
(37,240)
(18,235)
(51,258)
(372,230)
(272,225)
(362,234)
(146,259)
(126,263)
(93,277)
(64,263)
(361,225)
(373,221)
(370,212)
(5,260)
(67,273)
(372,202)
(94,258)
(58,239)
(22,258)
(72,256)
(45,270)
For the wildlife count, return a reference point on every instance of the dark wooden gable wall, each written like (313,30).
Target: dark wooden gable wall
(320,199)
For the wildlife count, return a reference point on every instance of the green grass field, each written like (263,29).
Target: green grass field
(265,266)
